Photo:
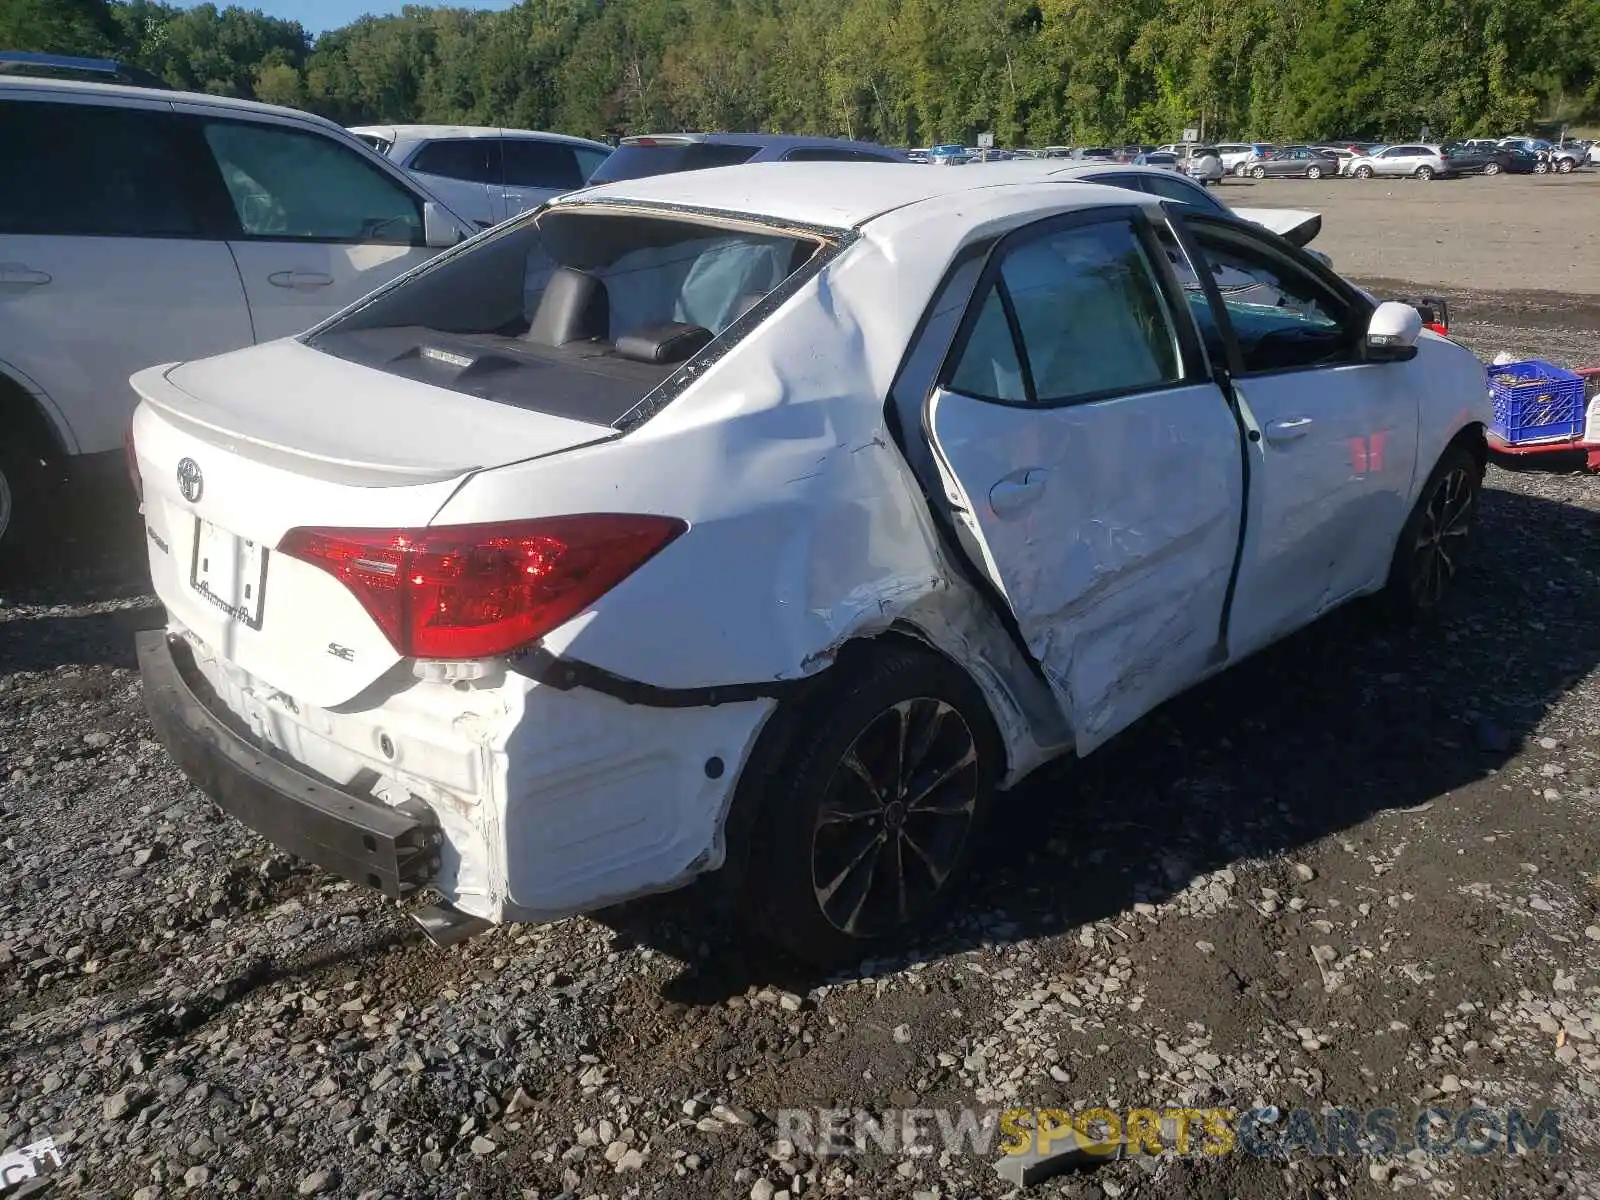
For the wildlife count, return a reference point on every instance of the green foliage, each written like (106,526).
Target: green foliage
(900,71)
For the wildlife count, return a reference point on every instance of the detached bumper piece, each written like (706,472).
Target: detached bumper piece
(388,849)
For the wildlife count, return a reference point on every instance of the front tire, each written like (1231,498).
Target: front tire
(1258,173)
(1363,172)
(1564,166)
(1492,169)
(872,808)
(1435,543)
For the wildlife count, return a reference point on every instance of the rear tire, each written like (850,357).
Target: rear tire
(20,493)
(1436,541)
(1313,172)
(871,806)
(1492,169)
(1424,173)
(1362,172)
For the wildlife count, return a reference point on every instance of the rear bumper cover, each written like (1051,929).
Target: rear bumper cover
(389,849)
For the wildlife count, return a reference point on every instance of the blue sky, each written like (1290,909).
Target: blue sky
(319,16)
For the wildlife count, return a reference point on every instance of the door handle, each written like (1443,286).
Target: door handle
(299,279)
(1017,490)
(1287,431)
(23,274)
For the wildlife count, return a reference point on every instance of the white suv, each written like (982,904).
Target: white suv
(489,175)
(159,225)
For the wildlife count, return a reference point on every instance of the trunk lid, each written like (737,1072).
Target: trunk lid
(348,423)
(235,451)
(1292,224)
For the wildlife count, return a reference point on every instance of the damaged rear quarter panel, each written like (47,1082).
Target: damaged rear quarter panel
(807,529)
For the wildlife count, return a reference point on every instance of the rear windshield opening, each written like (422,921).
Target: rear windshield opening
(635,160)
(579,314)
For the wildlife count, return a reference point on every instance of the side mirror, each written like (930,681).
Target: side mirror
(1392,332)
(439,229)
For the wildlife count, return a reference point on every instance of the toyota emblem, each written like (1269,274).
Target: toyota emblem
(190,482)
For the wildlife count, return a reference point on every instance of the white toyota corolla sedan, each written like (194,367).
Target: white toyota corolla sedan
(767,521)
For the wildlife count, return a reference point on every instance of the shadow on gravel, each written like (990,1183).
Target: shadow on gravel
(91,551)
(94,639)
(77,592)
(166,1018)
(1312,737)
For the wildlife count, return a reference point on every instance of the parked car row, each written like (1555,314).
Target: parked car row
(1264,160)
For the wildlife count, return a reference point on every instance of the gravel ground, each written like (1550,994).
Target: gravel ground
(1508,232)
(1357,871)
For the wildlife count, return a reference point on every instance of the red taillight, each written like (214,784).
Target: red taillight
(1438,327)
(476,591)
(133,462)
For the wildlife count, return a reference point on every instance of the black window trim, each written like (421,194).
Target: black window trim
(236,231)
(1204,202)
(1193,366)
(1358,309)
(570,150)
(198,185)
(482,143)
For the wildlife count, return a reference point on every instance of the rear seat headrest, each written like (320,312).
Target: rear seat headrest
(574,308)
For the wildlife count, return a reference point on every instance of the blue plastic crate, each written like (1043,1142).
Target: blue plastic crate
(1535,401)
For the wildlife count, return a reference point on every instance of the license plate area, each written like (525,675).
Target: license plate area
(230,572)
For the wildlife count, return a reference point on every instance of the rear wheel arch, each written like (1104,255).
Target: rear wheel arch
(30,452)
(770,836)
(778,735)
(23,417)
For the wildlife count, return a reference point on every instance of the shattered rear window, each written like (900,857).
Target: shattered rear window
(550,315)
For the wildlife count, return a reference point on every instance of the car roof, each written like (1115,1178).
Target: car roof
(422,133)
(158,98)
(836,195)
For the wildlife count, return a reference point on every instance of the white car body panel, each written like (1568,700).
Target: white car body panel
(288,398)
(1285,222)
(1330,481)
(481,203)
(807,531)
(130,294)
(295,285)
(1117,579)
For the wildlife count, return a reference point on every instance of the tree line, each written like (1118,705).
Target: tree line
(904,72)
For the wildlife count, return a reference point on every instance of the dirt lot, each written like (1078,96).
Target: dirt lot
(1507,233)
(1359,871)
